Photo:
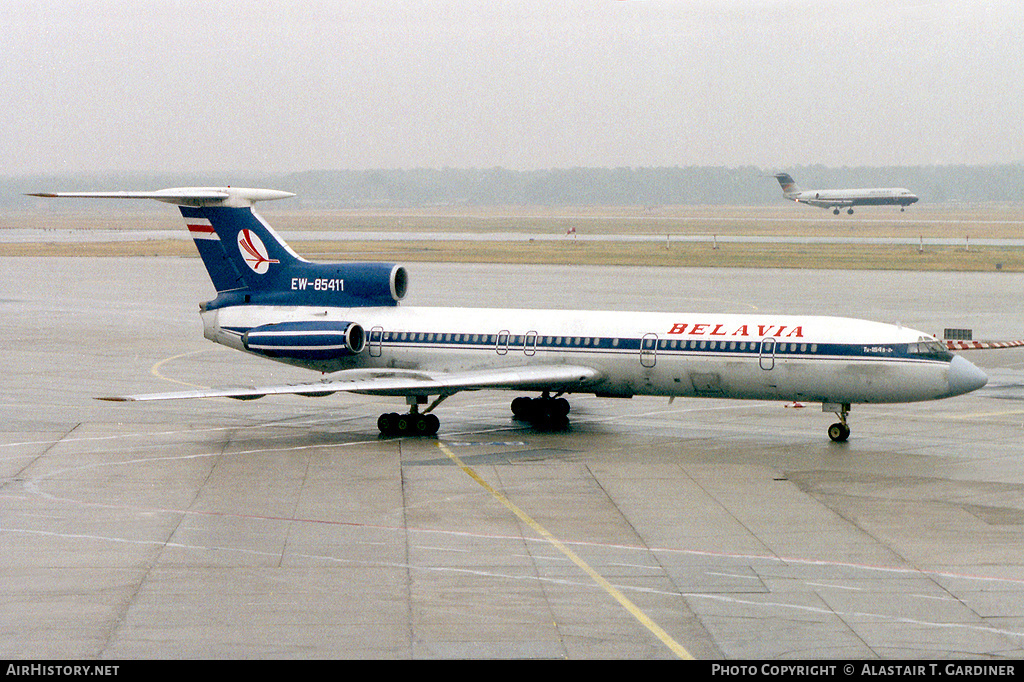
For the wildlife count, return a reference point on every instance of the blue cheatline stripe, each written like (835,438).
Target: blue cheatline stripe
(517,343)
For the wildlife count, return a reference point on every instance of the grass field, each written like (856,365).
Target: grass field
(967,225)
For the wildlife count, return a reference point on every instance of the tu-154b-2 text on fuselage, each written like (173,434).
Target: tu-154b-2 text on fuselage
(346,320)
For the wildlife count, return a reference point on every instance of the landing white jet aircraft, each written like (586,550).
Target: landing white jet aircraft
(345,319)
(845,198)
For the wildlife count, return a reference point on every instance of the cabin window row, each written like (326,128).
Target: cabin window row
(753,346)
(510,339)
(585,341)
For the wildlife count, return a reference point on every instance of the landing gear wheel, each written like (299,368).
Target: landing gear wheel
(839,432)
(387,423)
(559,408)
(521,408)
(427,424)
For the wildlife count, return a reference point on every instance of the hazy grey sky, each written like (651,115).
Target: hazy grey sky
(281,86)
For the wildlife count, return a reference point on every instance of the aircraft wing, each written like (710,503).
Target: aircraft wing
(392,382)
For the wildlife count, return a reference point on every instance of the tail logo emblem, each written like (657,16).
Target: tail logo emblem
(254,253)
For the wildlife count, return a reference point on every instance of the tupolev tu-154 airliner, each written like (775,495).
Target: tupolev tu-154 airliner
(346,320)
(845,198)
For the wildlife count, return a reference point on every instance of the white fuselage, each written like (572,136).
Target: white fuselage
(828,198)
(773,357)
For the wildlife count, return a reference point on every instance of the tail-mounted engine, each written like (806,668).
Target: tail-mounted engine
(340,285)
(310,340)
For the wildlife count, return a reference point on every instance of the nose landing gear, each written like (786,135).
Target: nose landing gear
(840,431)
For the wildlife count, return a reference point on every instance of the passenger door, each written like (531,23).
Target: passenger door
(767,356)
(649,350)
(376,341)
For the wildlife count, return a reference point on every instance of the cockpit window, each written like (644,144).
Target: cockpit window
(929,348)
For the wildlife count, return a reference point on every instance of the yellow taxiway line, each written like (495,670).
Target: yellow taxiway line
(632,608)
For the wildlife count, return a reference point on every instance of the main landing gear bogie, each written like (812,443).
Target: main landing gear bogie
(545,411)
(412,424)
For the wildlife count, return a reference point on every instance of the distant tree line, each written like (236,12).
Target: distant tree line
(648,187)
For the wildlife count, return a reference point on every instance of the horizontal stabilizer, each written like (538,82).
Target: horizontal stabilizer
(389,382)
(184,196)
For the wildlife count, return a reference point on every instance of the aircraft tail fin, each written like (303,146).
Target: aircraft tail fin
(238,247)
(249,262)
(787,183)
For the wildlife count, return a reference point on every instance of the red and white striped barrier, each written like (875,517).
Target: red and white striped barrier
(982,345)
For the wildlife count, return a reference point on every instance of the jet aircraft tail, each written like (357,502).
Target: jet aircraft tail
(787,183)
(249,263)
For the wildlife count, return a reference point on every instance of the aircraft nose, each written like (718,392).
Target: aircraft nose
(964,377)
